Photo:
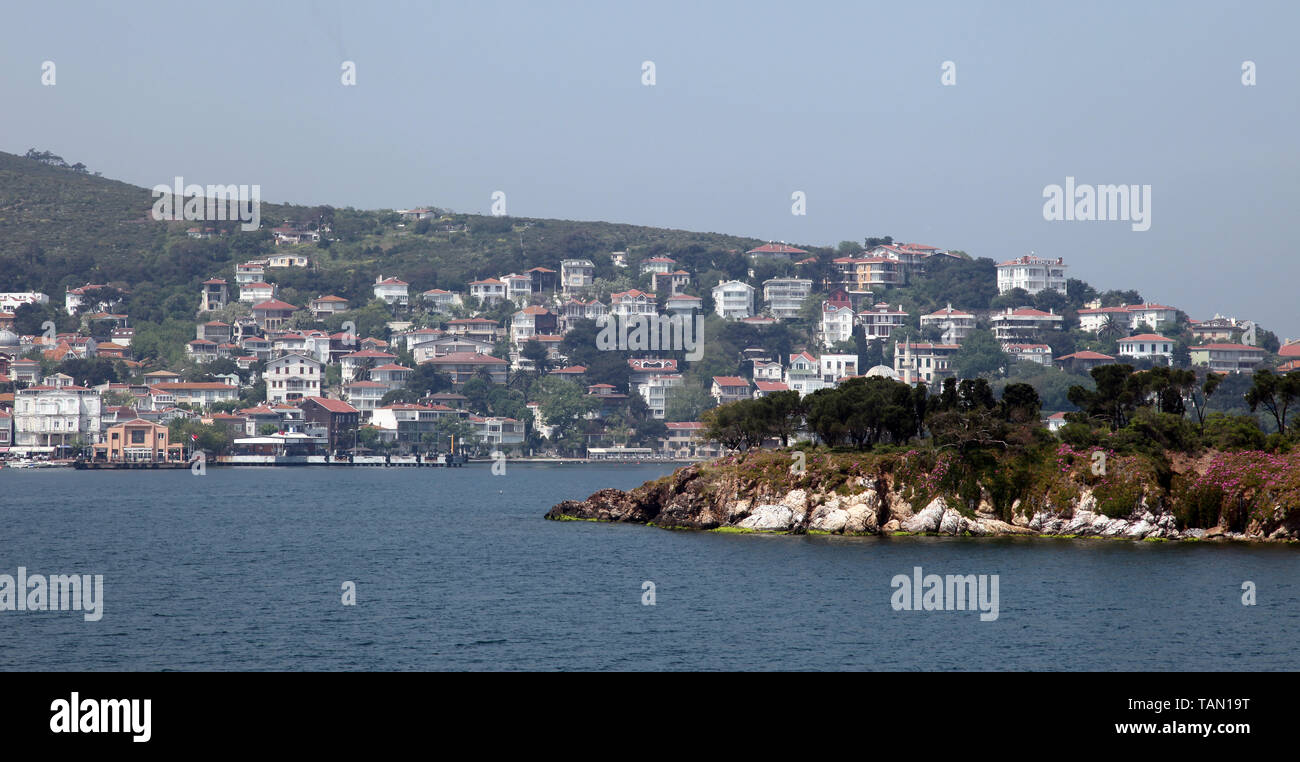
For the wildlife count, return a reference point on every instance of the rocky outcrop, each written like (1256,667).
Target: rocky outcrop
(731,500)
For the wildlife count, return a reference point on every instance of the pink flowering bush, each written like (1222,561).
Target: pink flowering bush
(1238,488)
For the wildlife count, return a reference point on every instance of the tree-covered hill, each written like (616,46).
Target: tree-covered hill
(61,227)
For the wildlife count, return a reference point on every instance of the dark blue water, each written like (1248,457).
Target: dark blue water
(241,569)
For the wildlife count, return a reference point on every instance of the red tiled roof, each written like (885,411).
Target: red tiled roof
(466,358)
(1147,337)
(1239,347)
(273,304)
(730,381)
(332,405)
(1086,354)
(776,248)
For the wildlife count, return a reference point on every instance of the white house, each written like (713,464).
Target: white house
(655,391)
(292,377)
(391,291)
(955,324)
(733,300)
(1147,346)
(658,265)
(577,274)
(257,292)
(804,375)
(1023,323)
(489,291)
(837,367)
(785,296)
(837,322)
(880,321)
(441,300)
(631,303)
(923,361)
(729,389)
(1039,353)
(1031,273)
(47,417)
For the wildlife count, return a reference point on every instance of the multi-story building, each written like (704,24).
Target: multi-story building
(683,304)
(1031,273)
(576,309)
(408,423)
(392,291)
(773,250)
(655,390)
(47,418)
(1228,358)
(441,300)
(729,389)
(577,275)
(488,291)
(1024,323)
(336,417)
(1129,317)
(1039,353)
(256,292)
(658,265)
(214,296)
(923,361)
(670,283)
(12,300)
(880,321)
(273,314)
(1147,346)
(198,393)
(837,367)
(1218,330)
(249,272)
(365,396)
(956,325)
(686,439)
(785,296)
(479,329)
(497,431)
(632,303)
(838,320)
(530,322)
(860,275)
(463,366)
(351,364)
(293,377)
(733,300)
(323,307)
(804,374)
(519,288)
(137,441)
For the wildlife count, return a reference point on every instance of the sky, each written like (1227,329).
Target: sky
(752,101)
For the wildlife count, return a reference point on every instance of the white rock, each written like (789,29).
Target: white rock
(861,518)
(928,519)
(951,522)
(829,518)
(797,501)
(769,518)
(738,508)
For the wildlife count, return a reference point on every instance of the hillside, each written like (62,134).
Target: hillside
(60,228)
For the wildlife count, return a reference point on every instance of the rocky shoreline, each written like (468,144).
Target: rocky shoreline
(692,498)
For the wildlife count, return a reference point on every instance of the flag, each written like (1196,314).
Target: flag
(195,437)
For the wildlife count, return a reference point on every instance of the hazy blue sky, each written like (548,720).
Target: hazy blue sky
(753,101)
